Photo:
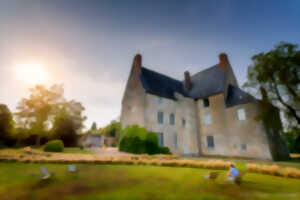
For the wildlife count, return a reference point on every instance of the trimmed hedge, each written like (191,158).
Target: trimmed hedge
(54,146)
(137,140)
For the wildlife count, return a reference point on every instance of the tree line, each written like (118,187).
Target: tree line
(44,115)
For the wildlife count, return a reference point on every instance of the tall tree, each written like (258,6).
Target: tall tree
(68,122)
(45,108)
(112,129)
(278,72)
(6,123)
(94,126)
(35,111)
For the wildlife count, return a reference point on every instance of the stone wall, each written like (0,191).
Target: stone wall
(183,108)
(133,102)
(230,133)
(250,132)
(217,128)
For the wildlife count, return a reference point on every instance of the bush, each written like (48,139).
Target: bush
(151,143)
(137,140)
(132,145)
(293,139)
(2,146)
(54,146)
(164,150)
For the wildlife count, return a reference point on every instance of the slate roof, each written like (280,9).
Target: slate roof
(207,82)
(236,96)
(204,84)
(161,85)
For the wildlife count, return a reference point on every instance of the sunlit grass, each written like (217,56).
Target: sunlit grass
(76,150)
(94,182)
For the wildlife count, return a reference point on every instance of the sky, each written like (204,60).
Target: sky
(88,45)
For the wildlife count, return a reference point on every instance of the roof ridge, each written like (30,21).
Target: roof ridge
(161,74)
(206,69)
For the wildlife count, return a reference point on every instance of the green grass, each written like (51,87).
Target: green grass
(92,182)
(76,150)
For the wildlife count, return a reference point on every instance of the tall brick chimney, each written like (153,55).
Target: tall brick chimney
(223,61)
(187,80)
(137,63)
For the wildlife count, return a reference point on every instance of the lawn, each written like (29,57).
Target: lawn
(71,150)
(22,181)
(76,150)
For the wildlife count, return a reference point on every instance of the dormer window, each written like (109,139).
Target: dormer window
(205,102)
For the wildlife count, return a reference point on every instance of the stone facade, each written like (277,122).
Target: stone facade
(233,137)
(226,126)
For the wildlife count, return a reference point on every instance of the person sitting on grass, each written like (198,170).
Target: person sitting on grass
(233,173)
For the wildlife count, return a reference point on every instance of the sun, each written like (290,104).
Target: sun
(32,73)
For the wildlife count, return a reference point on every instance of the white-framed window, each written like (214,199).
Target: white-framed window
(172,119)
(160,139)
(160,117)
(159,100)
(183,123)
(241,114)
(210,141)
(207,119)
(175,141)
(244,147)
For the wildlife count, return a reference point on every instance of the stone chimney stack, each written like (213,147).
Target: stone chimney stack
(187,80)
(137,63)
(223,61)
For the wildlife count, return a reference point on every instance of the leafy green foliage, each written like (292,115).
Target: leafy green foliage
(94,126)
(164,150)
(151,143)
(6,123)
(111,130)
(132,145)
(135,139)
(293,138)
(67,122)
(47,108)
(278,72)
(54,146)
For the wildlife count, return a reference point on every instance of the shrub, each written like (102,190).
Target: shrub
(54,146)
(151,143)
(132,145)
(164,150)
(135,139)
(293,139)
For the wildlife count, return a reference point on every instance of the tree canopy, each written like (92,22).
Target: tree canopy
(6,122)
(46,111)
(278,73)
